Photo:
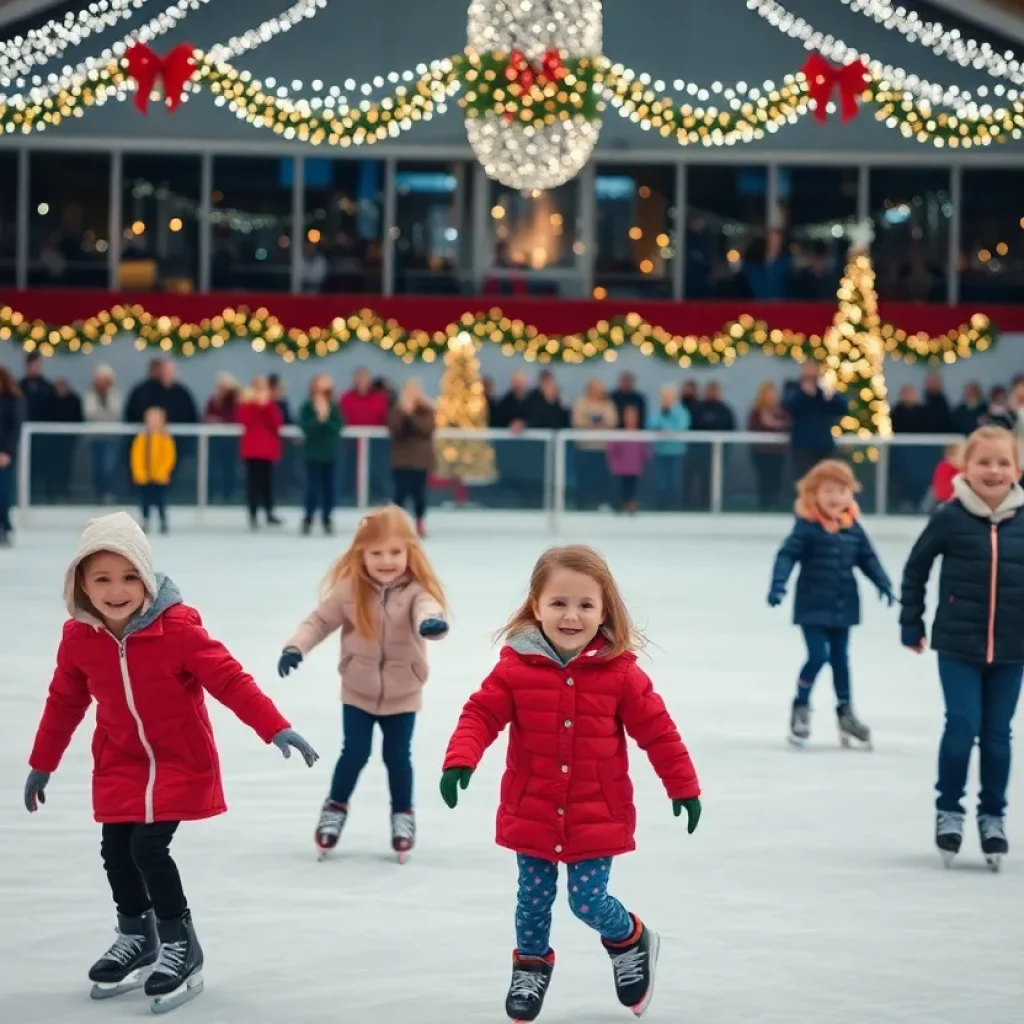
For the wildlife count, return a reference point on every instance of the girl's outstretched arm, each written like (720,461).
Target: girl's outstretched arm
(869,564)
(486,713)
(647,720)
(66,705)
(428,617)
(319,624)
(790,553)
(927,548)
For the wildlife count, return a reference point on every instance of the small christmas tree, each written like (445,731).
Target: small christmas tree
(462,405)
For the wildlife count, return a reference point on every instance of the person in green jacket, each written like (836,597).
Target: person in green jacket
(320,422)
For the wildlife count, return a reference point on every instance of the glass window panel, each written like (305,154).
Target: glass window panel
(817,206)
(343,226)
(533,241)
(252,223)
(725,225)
(160,223)
(8,217)
(432,228)
(910,212)
(635,233)
(69,219)
(992,236)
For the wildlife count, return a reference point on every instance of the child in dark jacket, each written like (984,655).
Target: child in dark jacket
(143,655)
(977,631)
(828,542)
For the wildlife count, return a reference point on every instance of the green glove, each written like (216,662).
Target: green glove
(452,780)
(692,813)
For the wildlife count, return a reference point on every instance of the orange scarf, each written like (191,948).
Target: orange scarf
(843,521)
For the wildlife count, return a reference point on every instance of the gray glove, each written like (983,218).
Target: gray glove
(35,785)
(288,738)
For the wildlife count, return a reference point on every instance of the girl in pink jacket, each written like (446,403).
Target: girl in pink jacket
(384,597)
(627,460)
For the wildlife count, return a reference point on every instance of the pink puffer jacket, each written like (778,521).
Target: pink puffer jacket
(384,675)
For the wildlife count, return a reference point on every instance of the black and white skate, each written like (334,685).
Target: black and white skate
(949,834)
(178,974)
(125,965)
(852,731)
(403,834)
(531,976)
(634,966)
(994,844)
(328,828)
(799,725)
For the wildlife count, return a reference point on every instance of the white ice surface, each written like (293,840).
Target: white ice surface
(810,892)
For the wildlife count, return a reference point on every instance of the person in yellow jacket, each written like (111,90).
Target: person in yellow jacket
(152,459)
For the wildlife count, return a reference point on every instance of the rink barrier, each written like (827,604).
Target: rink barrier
(876,450)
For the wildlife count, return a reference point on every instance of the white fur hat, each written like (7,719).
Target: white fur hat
(120,534)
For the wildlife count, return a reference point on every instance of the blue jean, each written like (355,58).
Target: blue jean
(320,489)
(103,463)
(668,477)
(6,496)
(825,645)
(980,704)
(357,726)
(153,496)
(588,900)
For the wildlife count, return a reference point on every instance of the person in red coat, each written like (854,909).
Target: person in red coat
(132,646)
(569,684)
(261,420)
(946,472)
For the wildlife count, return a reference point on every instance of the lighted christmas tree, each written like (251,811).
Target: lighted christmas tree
(462,405)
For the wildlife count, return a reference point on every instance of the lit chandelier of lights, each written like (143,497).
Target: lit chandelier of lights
(835,49)
(534,156)
(943,42)
(20,54)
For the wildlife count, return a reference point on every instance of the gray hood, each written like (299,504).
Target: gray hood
(533,642)
(1006,509)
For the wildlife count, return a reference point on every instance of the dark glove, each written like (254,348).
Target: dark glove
(35,785)
(775,596)
(692,812)
(288,738)
(884,594)
(913,637)
(452,780)
(433,628)
(289,660)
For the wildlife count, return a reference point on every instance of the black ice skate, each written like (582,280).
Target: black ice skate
(634,964)
(531,976)
(799,725)
(178,974)
(125,965)
(328,828)
(994,844)
(949,834)
(403,834)
(852,731)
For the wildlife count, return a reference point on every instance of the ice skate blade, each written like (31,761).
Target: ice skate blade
(994,861)
(796,741)
(192,986)
(948,856)
(403,856)
(848,742)
(110,990)
(652,958)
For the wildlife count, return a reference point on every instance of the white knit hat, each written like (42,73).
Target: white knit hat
(120,534)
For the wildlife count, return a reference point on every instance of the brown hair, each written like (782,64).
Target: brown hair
(833,471)
(617,626)
(991,433)
(382,524)
(8,385)
(766,390)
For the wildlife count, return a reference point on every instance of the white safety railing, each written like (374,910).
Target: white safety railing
(554,463)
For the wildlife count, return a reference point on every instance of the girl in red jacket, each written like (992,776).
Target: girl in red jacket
(261,420)
(143,656)
(569,684)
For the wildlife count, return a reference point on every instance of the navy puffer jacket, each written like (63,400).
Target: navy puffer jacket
(980,612)
(826,589)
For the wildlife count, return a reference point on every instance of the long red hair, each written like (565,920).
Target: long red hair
(378,527)
(618,627)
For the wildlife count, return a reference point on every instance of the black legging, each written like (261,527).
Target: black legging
(140,870)
(259,482)
(411,485)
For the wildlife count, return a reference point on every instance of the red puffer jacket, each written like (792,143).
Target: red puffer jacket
(261,430)
(154,754)
(566,793)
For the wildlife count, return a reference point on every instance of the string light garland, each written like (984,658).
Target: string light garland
(943,42)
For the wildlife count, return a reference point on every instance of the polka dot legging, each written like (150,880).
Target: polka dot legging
(588,900)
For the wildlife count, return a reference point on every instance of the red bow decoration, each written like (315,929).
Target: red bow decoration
(550,69)
(147,67)
(823,78)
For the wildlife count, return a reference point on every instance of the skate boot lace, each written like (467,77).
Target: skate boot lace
(331,821)
(949,823)
(403,826)
(991,827)
(527,984)
(125,948)
(629,966)
(171,958)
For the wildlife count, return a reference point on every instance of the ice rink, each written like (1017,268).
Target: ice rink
(810,892)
